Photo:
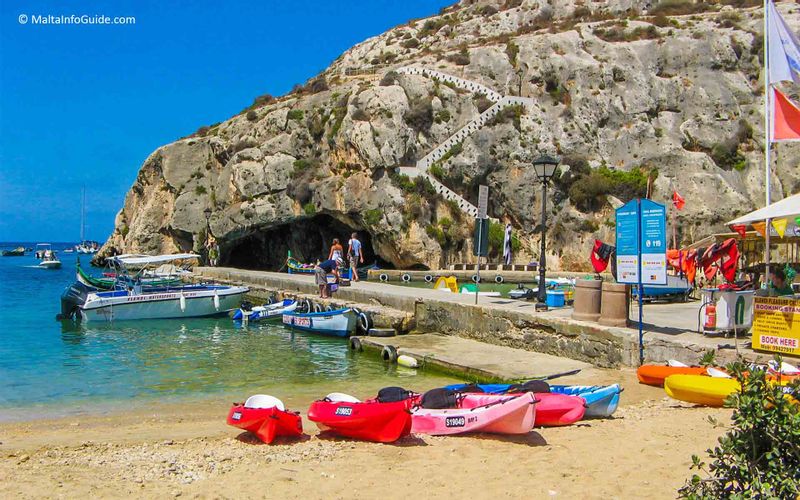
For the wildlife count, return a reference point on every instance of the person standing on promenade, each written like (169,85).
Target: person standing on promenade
(355,255)
(321,271)
(336,252)
(213,253)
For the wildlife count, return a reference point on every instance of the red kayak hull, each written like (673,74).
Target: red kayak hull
(266,423)
(367,420)
(554,409)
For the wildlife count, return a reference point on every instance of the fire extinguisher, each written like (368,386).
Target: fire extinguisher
(711,317)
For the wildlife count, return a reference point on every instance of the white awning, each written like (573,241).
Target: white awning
(788,207)
(139,260)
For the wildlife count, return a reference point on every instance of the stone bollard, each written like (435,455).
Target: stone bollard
(614,304)
(587,300)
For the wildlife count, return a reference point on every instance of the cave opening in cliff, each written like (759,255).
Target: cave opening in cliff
(309,240)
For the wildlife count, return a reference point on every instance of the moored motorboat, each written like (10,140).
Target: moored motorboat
(112,280)
(266,417)
(267,312)
(476,412)
(16,252)
(45,252)
(371,420)
(135,301)
(337,323)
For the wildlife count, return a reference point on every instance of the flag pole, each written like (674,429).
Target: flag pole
(767,133)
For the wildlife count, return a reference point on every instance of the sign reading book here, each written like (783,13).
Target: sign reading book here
(776,325)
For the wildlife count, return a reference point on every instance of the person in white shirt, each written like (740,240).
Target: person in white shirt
(355,255)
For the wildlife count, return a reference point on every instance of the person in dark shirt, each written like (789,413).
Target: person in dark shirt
(321,271)
(778,283)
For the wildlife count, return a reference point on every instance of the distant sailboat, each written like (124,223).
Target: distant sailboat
(85,246)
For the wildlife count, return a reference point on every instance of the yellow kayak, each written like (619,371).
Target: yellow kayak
(700,389)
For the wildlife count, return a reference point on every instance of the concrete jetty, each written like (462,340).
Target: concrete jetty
(500,321)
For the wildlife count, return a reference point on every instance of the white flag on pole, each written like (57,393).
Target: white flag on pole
(507,246)
(784,49)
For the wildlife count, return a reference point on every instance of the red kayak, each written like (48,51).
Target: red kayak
(369,420)
(265,417)
(553,409)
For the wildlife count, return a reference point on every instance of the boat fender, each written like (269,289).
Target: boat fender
(384,277)
(355,344)
(216,300)
(182,302)
(406,278)
(329,308)
(428,278)
(270,300)
(382,332)
(317,307)
(407,361)
(475,278)
(306,306)
(498,279)
(364,321)
(389,353)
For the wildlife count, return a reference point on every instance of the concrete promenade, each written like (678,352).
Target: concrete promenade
(669,328)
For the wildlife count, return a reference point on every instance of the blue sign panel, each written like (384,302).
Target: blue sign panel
(654,243)
(628,242)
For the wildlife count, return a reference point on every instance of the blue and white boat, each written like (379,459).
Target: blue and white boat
(130,300)
(267,312)
(338,323)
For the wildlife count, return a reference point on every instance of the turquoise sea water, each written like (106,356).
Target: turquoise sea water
(66,368)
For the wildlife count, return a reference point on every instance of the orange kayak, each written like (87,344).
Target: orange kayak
(655,374)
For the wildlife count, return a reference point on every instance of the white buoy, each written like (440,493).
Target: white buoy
(407,361)
(183,303)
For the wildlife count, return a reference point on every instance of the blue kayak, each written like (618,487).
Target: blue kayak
(601,400)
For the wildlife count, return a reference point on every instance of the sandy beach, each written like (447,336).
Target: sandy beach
(187,450)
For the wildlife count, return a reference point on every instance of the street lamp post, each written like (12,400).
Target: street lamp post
(207,213)
(545,167)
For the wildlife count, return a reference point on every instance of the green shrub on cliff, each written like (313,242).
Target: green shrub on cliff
(295,114)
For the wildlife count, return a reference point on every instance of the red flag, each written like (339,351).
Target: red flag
(678,201)
(785,118)
(740,228)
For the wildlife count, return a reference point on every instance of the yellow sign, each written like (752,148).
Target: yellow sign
(776,324)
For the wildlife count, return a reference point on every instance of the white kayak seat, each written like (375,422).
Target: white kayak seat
(340,397)
(264,401)
(717,373)
(676,363)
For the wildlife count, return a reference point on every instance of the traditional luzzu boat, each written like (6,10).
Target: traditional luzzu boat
(338,323)
(293,266)
(267,312)
(132,301)
(109,283)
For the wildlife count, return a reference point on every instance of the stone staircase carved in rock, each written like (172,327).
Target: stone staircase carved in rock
(425,163)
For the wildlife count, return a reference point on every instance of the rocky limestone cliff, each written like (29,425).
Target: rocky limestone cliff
(623,94)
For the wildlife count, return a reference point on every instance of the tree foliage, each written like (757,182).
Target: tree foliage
(759,457)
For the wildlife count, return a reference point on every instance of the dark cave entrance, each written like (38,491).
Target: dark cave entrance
(308,239)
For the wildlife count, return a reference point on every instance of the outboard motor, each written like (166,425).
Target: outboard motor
(71,300)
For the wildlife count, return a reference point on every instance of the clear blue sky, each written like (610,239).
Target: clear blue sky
(87,104)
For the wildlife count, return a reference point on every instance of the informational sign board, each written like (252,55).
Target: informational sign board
(483,201)
(776,325)
(642,240)
(628,243)
(654,243)
(480,240)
